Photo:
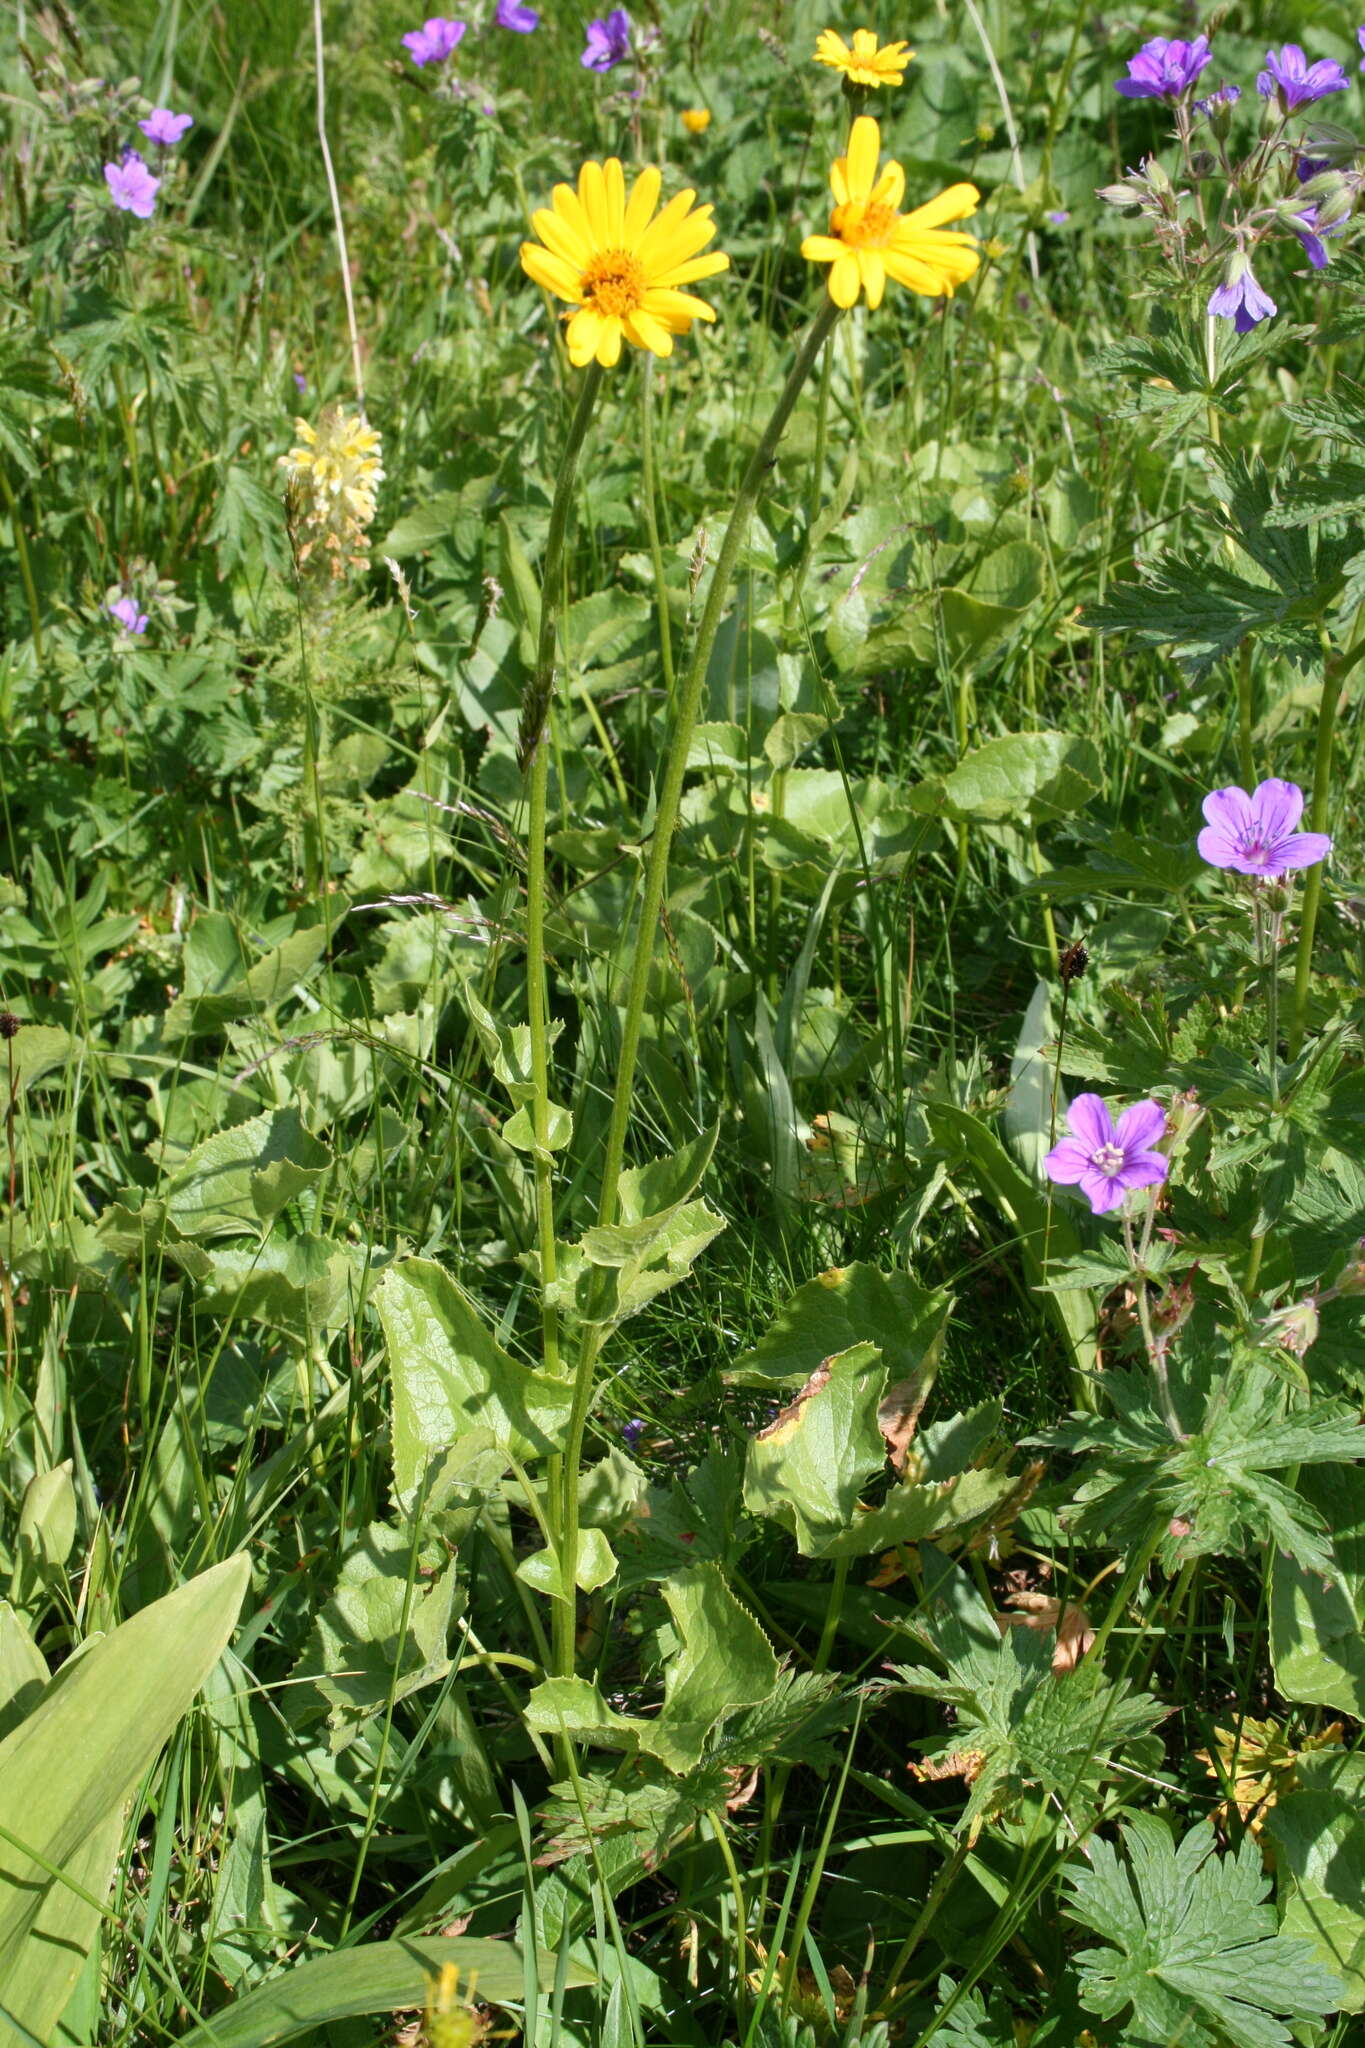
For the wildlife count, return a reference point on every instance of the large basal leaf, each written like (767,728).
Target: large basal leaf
(382,1634)
(809,1467)
(725,1663)
(1317,1625)
(1319,1839)
(1040,775)
(845,1306)
(239,1179)
(377,1976)
(67,1770)
(450,1375)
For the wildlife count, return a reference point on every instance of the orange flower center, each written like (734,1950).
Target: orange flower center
(863,223)
(614,283)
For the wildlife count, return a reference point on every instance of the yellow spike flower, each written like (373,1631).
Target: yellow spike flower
(607,254)
(869,241)
(864,64)
(696,120)
(333,476)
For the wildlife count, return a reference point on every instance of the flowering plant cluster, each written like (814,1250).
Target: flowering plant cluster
(132,185)
(1215,220)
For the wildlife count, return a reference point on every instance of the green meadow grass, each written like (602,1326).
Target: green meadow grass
(271,1278)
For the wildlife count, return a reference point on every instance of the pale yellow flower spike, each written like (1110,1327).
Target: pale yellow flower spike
(864,64)
(870,240)
(607,253)
(334,475)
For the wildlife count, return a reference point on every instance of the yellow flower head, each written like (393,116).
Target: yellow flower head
(333,475)
(606,253)
(864,64)
(696,120)
(869,241)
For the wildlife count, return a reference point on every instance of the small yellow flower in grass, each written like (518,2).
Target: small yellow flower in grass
(333,476)
(622,266)
(869,241)
(696,120)
(864,64)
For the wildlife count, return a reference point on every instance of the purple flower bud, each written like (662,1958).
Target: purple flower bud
(1059,216)
(1226,96)
(608,41)
(433,42)
(632,1432)
(1298,82)
(512,14)
(162,126)
(1360,38)
(132,187)
(125,610)
(1258,834)
(1164,70)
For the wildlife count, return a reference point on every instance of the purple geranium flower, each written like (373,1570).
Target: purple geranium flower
(1298,82)
(433,42)
(132,187)
(1241,299)
(1164,70)
(125,610)
(1257,834)
(1107,1160)
(162,126)
(1360,38)
(1059,216)
(511,14)
(608,41)
(631,1432)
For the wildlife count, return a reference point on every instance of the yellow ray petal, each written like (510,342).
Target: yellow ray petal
(959,202)
(569,207)
(609,343)
(552,271)
(915,275)
(677,307)
(557,235)
(709,265)
(844,280)
(614,180)
(873,271)
(864,147)
(641,204)
(647,332)
(592,193)
(583,334)
(822,249)
(891,186)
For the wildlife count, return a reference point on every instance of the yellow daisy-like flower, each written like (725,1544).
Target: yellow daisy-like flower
(696,120)
(606,253)
(869,241)
(864,64)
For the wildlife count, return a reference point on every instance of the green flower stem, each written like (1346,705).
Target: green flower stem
(1332,681)
(649,493)
(656,872)
(531,742)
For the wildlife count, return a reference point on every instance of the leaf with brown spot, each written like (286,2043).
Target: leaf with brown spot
(1070,1622)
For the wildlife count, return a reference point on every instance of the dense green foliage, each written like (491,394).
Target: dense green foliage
(830,1587)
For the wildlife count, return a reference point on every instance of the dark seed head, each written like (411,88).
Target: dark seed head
(1073,962)
(9,1024)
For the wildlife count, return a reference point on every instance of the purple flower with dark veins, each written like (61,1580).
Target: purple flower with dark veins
(1226,96)
(132,187)
(125,610)
(1258,834)
(608,41)
(1106,1159)
(433,42)
(512,14)
(1164,70)
(1298,82)
(162,126)
(1241,299)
